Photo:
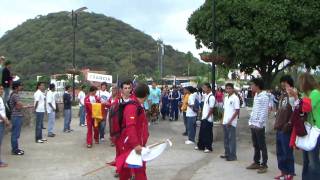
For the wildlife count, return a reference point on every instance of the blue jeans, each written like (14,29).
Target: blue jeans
(39,123)
(1,136)
(102,128)
(284,153)
(67,119)
(311,163)
(230,144)
(82,115)
(15,132)
(192,128)
(185,121)
(51,122)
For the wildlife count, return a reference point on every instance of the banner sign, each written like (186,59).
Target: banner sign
(99,78)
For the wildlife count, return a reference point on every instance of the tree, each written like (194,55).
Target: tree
(44,46)
(267,36)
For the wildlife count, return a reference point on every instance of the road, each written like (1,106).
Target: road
(66,157)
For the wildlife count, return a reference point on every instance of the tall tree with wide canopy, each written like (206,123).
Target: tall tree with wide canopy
(266,35)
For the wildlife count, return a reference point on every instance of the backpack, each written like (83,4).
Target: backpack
(209,98)
(196,106)
(297,119)
(240,99)
(116,117)
(8,108)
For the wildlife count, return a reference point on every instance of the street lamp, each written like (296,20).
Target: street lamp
(74,26)
(214,38)
(161,56)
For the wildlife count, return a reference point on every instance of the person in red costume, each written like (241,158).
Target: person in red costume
(91,98)
(134,135)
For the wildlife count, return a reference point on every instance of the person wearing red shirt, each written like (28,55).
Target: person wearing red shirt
(219,97)
(91,98)
(135,134)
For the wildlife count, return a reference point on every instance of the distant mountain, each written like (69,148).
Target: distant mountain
(44,46)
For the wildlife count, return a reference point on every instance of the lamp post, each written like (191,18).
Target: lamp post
(74,26)
(213,69)
(160,60)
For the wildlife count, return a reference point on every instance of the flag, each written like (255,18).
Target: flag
(98,113)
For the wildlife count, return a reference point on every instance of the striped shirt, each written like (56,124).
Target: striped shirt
(259,114)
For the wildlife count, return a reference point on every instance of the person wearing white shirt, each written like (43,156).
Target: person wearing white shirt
(104,96)
(39,106)
(81,96)
(206,127)
(191,116)
(230,117)
(257,123)
(3,121)
(51,109)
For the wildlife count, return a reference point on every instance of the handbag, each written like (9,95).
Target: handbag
(298,118)
(309,141)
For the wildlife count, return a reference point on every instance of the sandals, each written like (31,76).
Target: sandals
(89,146)
(3,164)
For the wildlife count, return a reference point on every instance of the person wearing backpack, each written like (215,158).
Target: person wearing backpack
(310,87)
(191,115)
(206,127)
(3,122)
(134,134)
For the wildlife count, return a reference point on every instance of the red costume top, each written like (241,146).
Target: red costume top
(135,132)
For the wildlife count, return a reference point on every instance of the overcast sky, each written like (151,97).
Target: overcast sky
(165,19)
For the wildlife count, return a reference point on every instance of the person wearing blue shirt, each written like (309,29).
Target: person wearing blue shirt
(154,100)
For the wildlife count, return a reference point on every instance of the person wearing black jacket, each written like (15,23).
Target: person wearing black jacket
(67,109)
(6,80)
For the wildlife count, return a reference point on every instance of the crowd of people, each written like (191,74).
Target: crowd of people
(128,110)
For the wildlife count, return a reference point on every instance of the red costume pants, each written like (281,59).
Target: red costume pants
(138,173)
(90,126)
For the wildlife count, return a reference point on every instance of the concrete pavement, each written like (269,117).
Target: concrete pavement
(66,157)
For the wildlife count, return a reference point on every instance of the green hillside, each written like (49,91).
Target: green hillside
(44,46)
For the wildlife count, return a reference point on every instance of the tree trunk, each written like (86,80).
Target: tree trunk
(268,78)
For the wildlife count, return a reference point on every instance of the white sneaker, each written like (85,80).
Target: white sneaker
(102,139)
(196,148)
(188,142)
(39,141)
(207,151)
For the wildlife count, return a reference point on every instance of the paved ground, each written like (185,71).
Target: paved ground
(66,157)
